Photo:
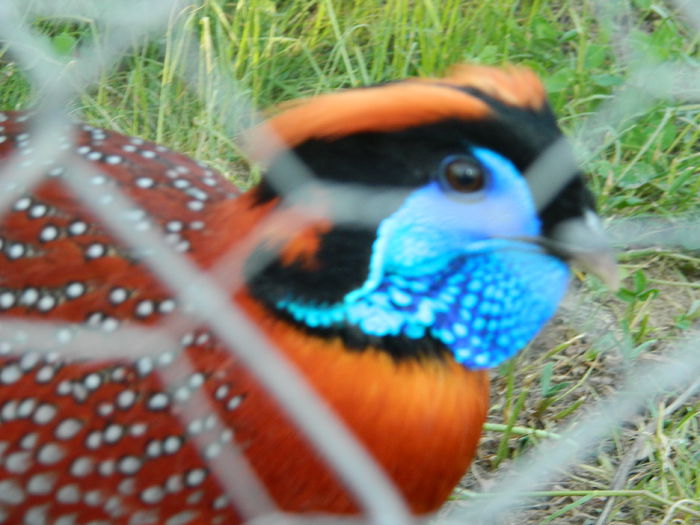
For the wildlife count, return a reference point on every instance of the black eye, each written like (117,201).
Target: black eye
(463,174)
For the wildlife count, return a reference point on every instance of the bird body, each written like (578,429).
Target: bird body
(392,323)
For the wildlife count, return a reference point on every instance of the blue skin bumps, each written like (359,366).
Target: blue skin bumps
(447,265)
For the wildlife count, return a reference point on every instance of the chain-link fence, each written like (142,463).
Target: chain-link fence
(58,79)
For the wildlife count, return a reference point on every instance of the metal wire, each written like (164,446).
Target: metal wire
(364,478)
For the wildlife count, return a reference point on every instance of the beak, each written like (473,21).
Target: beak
(582,241)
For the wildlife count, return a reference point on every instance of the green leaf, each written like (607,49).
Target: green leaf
(595,56)
(546,378)
(63,44)
(641,174)
(607,80)
(560,80)
(640,281)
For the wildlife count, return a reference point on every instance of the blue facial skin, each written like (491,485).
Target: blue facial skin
(445,264)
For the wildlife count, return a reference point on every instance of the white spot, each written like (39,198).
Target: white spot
(105,409)
(126,398)
(18,462)
(195,205)
(144,308)
(129,147)
(171,444)
(46,303)
(44,413)
(234,402)
(195,426)
(220,503)
(77,228)
(45,374)
(7,300)
(95,250)
(144,366)
(66,519)
(182,394)
(29,360)
(74,290)
(63,388)
(41,484)
(98,180)
(195,477)
(15,250)
(148,154)
(221,392)
(196,225)
(154,448)
(106,468)
(93,440)
(174,226)
(129,465)
(119,373)
(145,182)
(166,358)
(10,374)
(181,183)
(82,150)
(26,407)
(50,454)
(182,246)
(152,495)
(82,467)
(196,380)
(128,486)
(110,324)
(93,498)
(174,483)
(29,296)
(118,295)
(92,381)
(29,441)
(68,494)
(114,159)
(136,140)
(93,155)
(48,233)
(22,204)
(197,194)
(38,210)
(210,421)
(212,450)
(57,171)
(113,433)
(11,492)
(68,428)
(36,515)
(138,429)
(185,517)
(158,401)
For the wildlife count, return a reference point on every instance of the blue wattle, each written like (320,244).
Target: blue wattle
(442,267)
(484,306)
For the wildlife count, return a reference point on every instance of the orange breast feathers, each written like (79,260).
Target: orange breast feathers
(420,419)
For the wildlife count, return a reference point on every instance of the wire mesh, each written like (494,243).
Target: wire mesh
(202,292)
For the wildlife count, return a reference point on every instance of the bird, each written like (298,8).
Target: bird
(393,304)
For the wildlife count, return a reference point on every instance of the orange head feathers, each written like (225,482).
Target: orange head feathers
(397,105)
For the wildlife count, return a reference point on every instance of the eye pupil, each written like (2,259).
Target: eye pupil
(465,175)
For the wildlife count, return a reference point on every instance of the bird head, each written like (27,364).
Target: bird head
(430,238)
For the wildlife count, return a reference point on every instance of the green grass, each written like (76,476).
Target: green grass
(644,165)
